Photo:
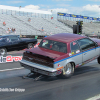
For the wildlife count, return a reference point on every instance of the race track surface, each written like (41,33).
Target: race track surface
(84,84)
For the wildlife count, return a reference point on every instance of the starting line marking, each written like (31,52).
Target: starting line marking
(11,69)
(97,97)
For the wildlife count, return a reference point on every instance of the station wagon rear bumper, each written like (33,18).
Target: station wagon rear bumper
(39,68)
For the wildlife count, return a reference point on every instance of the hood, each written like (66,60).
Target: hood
(46,52)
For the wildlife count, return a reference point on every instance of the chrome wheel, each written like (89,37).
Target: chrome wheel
(68,70)
(30,45)
(3,51)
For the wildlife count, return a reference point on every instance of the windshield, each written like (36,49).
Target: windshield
(53,45)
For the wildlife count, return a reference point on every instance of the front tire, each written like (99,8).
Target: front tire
(68,71)
(3,51)
(98,59)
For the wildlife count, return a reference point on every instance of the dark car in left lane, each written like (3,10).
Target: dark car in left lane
(14,42)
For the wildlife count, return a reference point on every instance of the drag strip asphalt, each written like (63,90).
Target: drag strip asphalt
(83,85)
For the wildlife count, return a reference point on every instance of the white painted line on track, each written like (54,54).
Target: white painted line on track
(97,97)
(10,69)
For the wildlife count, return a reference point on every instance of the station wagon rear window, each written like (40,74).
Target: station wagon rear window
(54,45)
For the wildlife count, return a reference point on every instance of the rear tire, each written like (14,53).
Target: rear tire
(30,45)
(3,51)
(98,59)
(68,71)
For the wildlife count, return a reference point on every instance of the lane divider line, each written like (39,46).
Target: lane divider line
(10,69)
(97,97)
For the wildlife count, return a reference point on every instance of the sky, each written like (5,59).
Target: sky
(89,8)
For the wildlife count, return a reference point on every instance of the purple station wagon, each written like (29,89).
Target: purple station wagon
(60,54)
